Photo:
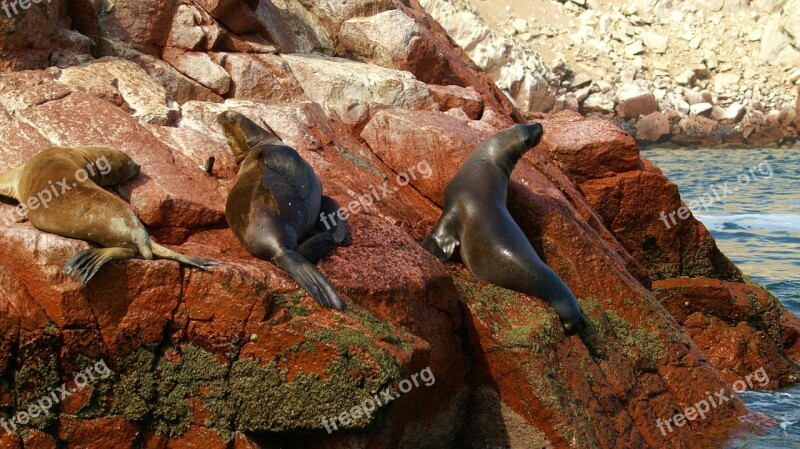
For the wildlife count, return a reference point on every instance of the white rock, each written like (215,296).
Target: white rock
(600,103)
(657,43)
(634,48)
(703,109)
(686,77)
(343,82)
(110,77)
(725,81)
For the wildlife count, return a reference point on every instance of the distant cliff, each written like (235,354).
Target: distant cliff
(690,74)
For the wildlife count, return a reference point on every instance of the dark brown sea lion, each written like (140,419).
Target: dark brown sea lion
(491,244)
(276,202)
(62,191)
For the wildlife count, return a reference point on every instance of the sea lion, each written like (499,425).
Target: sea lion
(62,189)
(277,201)
(491,244)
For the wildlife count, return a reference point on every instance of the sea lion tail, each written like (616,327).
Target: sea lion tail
(9,182)
(163,252)
(306,274)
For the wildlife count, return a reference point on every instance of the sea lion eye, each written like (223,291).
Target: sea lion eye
(529,140)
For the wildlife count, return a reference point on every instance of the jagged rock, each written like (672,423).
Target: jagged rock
(634,48)
(199,67)
(732,115)
(348,84)
(652,127)
(633,100)
(694,97)
(261,77)
(657,43)
(599,103)
(467,100)
(110,78)
(184,32)
(703,109)
(686,78)
(384,39)
(180,87)
(797,102)
(725,81)
(776,48)
(580,80)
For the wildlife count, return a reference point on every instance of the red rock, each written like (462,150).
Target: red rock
(719,317)
(9,441)
(197,438)
(143,23)
(593,149)
(199,67)
(34,438)
(100,433)
(31,35)
(634,101)
(261,77)
(450,97)
(652,127)
(433,139)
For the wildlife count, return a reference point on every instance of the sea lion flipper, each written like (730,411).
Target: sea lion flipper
(306,274)
(84,265)
(294,170)
(443,252)
(317,247)
(197,262)
(330,223)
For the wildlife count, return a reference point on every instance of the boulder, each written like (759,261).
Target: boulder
(125,84)
(776,47)
(731,115)
(652,127)
(199,67)
(185,32)
(657,43)
(450,97)
(710,308)
(725,81)
(180,87)
(261,77)
(703,109)
(343,84)
(686,78)
(599,103)
(386,39)
(633,100)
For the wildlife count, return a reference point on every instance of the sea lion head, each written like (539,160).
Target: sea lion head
(107,166)
(242,134)
(509,145)
(525,137)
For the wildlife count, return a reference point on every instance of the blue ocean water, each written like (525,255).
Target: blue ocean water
(755,219)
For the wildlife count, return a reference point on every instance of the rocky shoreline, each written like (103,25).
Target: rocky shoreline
(657,70)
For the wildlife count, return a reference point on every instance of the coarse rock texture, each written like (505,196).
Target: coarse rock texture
(377,98)
(729,52)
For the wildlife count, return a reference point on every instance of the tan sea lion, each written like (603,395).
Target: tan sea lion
(475,220)
(276,202)
(62,191)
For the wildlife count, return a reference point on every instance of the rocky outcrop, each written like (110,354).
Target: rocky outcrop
(626,61)
(240,357)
